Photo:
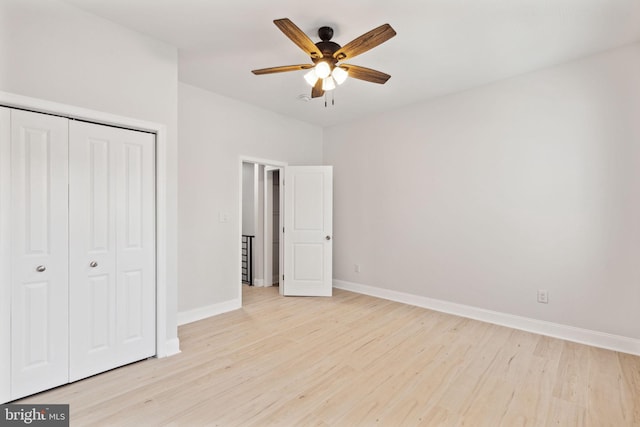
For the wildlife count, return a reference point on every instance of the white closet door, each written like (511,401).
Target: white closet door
(39,218)
(112,248)
(5,255)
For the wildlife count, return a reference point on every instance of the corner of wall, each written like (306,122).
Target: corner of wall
(200,313)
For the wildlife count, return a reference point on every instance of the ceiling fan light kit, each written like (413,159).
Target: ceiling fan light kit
(322,69)
(311,77)
(340,75)
(328,76)
(328,84)
(325,73)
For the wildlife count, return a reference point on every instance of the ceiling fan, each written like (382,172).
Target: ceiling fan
(327,70)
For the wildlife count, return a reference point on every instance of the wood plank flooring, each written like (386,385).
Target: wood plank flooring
(355,360)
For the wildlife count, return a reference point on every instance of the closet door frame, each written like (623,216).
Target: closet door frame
(5,254)
(167,342)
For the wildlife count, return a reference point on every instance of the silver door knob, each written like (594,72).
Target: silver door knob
(328,238)
(93,264)
(40,268)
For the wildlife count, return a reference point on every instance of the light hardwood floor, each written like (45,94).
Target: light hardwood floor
(356,360)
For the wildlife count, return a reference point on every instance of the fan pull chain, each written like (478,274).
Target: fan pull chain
(333,99)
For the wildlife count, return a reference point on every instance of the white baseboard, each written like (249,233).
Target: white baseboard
(200,313)
(171,348)
(258,282)
(555,330)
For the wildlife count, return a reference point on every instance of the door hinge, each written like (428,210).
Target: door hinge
(283,277)
(283,229)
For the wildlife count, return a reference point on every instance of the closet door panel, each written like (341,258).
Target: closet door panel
(39,218)
(136,245)
(92,237)
(99,289)
(107,219)
(99,266)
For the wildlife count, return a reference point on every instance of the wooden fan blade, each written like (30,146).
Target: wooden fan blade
(317,91)
(366,74)
(282,69)
(367,41)
(298,37)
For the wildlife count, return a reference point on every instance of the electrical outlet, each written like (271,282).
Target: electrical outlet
(356,268)
(543,296)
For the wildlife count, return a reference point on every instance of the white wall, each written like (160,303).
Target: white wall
(483,197)
(55,52)
(215,132)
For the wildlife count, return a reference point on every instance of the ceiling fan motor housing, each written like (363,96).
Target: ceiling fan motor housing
(327,47)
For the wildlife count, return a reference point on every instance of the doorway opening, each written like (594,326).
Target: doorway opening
(261,223)
(272,226)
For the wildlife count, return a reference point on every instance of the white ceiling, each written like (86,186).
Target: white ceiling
(442,46)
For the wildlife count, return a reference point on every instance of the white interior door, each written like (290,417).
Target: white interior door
(308,219)
(112,247)
(39,217)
